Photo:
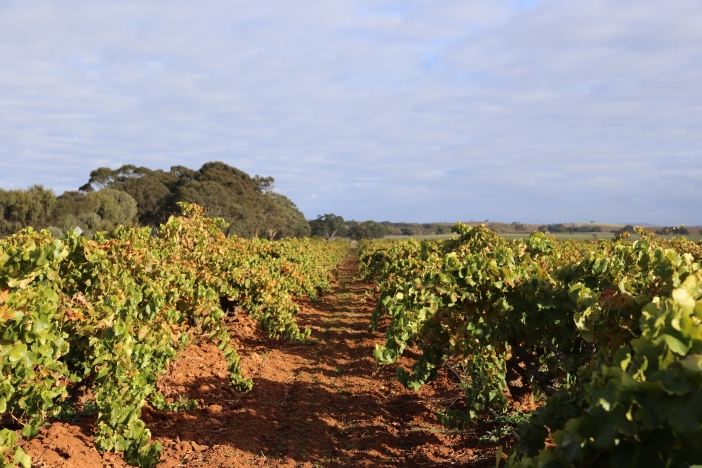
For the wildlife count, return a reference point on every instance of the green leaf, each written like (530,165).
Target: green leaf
(673,381)
(498,457)
(600,265)
(22,459)
(692,362)
(18,351)
(675,344)
(30,430)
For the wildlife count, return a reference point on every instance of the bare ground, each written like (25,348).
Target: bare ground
(322,404)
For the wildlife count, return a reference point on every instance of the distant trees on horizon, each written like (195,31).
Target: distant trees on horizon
(561,228)
(138,195)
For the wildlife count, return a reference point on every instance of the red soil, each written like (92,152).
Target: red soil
(321,404)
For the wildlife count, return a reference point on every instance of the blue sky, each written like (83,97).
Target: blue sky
(531,111)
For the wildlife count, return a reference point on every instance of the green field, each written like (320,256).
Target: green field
(580,237)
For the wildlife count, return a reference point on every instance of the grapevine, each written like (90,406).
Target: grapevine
(600,332)
(113,313)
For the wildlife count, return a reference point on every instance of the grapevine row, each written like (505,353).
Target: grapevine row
(608,335)
(112,313)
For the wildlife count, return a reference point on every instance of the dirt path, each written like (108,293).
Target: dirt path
(320,404)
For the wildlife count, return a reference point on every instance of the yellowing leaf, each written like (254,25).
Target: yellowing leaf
(17,352)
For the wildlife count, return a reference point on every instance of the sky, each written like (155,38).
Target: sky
(419,111)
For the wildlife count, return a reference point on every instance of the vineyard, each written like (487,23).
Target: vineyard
(558,354)
(112,313)
(605,337)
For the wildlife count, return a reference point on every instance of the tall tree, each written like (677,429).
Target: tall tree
(132,194)
(21,208)
(247,203)
(329,226)
(284,218)
(365,230)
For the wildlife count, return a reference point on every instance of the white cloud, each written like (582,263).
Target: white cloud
(411,110)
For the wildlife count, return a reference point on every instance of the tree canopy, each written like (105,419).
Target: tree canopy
(247,203)
(329,226)
(365,230)
(140,195)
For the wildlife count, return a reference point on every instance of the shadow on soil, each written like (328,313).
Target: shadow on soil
(329,402)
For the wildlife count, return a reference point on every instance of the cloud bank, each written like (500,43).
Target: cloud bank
(532,111)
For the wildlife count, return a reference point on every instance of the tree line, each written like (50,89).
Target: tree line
(561,228)
(331,226)
(132,195)
(138,195)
